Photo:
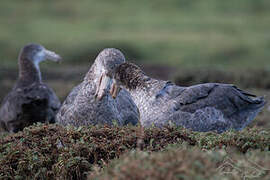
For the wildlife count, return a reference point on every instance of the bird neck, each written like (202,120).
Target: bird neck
(92,74)
(145,99)
(135,80)
(146,90)
(29,72)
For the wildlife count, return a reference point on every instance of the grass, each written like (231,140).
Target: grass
(55,152)
(187,163)
(225,34)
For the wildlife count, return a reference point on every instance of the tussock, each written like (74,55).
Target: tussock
(54,152)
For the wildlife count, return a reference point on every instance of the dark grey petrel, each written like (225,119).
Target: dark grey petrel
(90,102)
(203,107)
(30,100)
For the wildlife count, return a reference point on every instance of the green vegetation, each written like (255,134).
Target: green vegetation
(232,34)
(187,163)
(52,151)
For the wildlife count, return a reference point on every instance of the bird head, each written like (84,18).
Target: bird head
(106,63)
(37,53)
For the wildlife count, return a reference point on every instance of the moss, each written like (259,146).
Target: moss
(55,152)
(181,163)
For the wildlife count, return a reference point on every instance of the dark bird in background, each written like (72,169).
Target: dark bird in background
(204,107)
(30,100)
(90,102)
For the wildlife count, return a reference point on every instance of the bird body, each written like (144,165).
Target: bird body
(24,106)
(203,107)
(81,108)
(30,100)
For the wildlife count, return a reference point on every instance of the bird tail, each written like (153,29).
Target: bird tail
(255,106)
(258,103)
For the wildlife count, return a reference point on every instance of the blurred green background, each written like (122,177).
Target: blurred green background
(181,33)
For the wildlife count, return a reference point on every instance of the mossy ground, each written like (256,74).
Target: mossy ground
(185,162)
(47,151)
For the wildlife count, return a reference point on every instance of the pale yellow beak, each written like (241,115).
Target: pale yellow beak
(115,89)
(50,55)
(103,83)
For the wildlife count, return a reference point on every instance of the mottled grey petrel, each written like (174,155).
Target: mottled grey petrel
(30,100)
(90,102)
(203,107)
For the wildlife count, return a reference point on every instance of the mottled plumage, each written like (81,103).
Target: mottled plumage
(30,100)
(82,106)
(203,107)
